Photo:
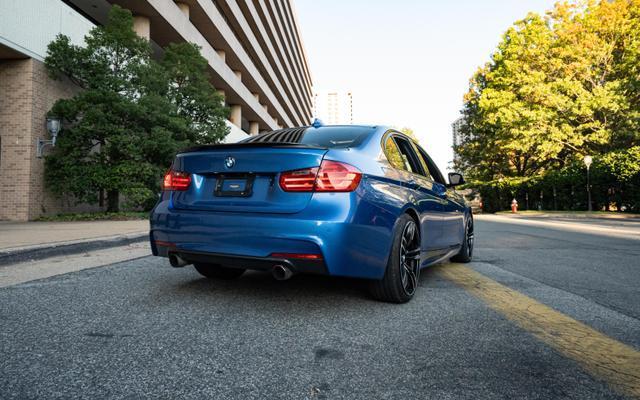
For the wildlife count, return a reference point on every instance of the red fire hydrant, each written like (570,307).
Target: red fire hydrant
(514,206)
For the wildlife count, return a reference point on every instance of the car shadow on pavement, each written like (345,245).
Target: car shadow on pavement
(261,285)
(255,285)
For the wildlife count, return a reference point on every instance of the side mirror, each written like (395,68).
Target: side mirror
(455,179)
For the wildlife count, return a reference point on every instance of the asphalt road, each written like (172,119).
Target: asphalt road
(140,329)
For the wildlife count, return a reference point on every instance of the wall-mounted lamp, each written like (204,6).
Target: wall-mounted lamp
(53,127)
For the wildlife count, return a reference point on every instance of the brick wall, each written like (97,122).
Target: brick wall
(26,94)
(16,93)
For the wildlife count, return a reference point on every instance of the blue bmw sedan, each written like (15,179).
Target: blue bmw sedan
(354,201)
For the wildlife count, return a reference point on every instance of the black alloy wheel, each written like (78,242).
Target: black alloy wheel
(410,258)
(401,278)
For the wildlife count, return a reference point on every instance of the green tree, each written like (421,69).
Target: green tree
(556,88)
(130,115)
(507,106)
(591,40)
(191,92)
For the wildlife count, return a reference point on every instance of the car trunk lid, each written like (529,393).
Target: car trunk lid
(243,177)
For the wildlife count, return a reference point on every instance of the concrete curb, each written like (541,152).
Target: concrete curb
(576,216)
(38,252)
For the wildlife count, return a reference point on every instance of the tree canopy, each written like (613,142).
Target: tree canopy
(558,87)
(130,114)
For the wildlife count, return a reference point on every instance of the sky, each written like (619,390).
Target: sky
(407,62)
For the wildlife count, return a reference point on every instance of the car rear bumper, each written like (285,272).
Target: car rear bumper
(296,266)
(348,243)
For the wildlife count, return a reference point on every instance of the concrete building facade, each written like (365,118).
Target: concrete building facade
(253,47)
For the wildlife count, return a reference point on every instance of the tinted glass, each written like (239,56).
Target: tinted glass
(433,170)
(409,157)
(393,154)
(423,162)
(335,138)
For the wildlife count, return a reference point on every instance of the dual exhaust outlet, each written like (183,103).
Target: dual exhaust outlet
(279,271)
(177,262)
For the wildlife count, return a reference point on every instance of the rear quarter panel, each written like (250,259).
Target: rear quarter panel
(384,195)
(389,194)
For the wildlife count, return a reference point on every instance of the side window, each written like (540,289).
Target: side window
(433,170)
(393,154)
(409,157)
(423,163)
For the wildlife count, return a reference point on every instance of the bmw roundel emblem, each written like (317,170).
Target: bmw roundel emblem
(229,162)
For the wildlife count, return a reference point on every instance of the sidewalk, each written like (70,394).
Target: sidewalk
(24,234)
(623,228)
(570,215)
(35,240)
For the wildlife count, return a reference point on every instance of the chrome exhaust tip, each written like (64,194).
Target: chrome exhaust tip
(281,273)
(177,262)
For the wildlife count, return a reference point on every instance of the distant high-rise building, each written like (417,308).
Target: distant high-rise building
(334,108)
(458,137)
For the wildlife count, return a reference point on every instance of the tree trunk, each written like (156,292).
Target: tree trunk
(113,201)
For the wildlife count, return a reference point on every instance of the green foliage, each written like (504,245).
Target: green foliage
(99,216)
(131,114)
(615,179)
(558,87)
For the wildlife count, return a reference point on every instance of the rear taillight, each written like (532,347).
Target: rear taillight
(332,176)
(300,180)
(176,180)
(337,177)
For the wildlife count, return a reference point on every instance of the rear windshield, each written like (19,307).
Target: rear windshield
(326,137)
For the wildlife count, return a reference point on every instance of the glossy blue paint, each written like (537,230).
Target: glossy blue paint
(204,166)
(353,231)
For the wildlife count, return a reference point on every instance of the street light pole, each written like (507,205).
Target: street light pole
(499,193)
(587,161)
(589,191)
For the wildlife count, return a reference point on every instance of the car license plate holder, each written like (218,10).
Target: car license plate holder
(234,185)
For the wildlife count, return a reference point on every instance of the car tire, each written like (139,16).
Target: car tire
(215,271)
(393,287)
(466,251)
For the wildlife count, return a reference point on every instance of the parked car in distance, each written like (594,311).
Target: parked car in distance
(354,201)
